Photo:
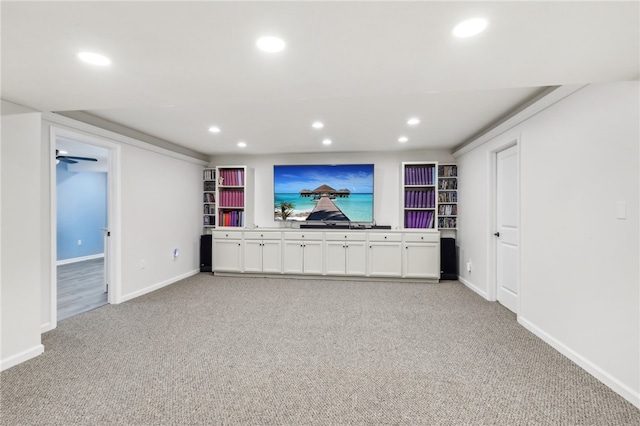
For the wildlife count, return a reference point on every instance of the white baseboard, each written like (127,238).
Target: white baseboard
(157,286)
(473,287)
(21,357)
(46,327)
(79,259)
(616,385)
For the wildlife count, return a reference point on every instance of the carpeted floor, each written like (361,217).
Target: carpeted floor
(241,351)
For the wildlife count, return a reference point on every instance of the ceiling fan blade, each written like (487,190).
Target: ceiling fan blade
(66,160)
(76,158)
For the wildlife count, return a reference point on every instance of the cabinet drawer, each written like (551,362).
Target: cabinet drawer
(303,236)
(261,235)
(430,237)
(345,236)
(385,237)
(229,235)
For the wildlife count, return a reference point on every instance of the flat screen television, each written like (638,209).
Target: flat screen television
(325,193)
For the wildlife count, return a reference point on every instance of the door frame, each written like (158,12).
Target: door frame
(492,223)
(113,214)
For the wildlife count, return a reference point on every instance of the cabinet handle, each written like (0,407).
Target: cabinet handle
(385,237)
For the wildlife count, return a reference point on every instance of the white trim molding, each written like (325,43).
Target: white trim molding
(21,357)
(548,98)
(157,286)
(475,289)
(620,388)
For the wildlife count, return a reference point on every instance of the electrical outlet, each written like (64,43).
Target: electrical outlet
(79,242)
(469,266)
(143,264)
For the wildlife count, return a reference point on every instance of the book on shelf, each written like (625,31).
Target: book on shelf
(419,175)
(209,174)
(448,171)
(231,218)
(419,219)
(231,198)
(232,177)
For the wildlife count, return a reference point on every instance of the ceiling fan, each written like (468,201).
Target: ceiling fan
(71,159)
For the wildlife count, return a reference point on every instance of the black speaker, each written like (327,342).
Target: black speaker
(448,259)
(206,253)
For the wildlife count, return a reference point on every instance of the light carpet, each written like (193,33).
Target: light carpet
(259,351)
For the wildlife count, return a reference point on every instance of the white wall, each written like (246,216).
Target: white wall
(386,177)
(579,280)
(161,211)
(21,239)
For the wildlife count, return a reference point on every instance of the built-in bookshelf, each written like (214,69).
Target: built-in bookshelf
(447,196)
(208,200)
(234,199)
(419,188)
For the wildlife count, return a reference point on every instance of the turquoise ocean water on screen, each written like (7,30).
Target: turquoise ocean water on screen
(357,207)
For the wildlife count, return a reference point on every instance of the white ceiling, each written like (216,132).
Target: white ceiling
(363,68)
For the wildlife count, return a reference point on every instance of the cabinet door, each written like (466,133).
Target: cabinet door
(385,259)
(422,260)
(356,258)
(227,255)
(252,256)
(272,257)
(313,258)
(292,257)
(336,258)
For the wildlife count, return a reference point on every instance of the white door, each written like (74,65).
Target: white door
(507,228)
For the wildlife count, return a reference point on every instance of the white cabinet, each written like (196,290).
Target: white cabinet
(227,251)
(302,253)
(262,252)
(376,254)
(385,255)
(421,258)
(345,254)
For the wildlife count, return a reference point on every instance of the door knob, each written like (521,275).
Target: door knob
(497,234)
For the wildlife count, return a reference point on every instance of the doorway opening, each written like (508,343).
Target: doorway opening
(83,209)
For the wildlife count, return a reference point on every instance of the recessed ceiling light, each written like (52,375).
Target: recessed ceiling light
(242,144)
(413,121)
(317,125)
(327,142)
(470,27)
(214,129)
(270,44)
(403,139)
(94,58)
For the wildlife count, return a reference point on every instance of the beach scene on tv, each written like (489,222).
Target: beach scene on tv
(323,193)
